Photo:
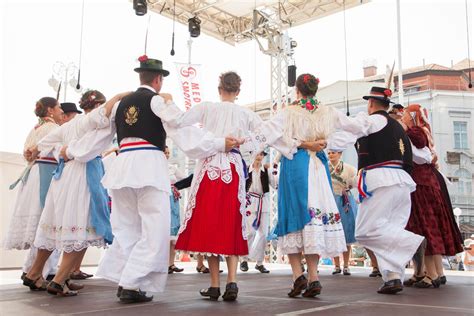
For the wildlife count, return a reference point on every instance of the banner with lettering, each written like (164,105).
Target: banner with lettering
(190,79)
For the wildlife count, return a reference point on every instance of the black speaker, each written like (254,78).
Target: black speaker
(291,75)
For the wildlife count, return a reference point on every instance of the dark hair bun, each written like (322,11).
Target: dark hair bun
(91,99)
(43,104)
(307,84)
(230,82)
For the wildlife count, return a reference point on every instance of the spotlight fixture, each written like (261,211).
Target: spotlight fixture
(194,26)
(140,7)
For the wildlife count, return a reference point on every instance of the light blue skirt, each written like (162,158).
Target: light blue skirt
(175,220)
(348,216)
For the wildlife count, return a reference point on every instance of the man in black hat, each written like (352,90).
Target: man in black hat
(70,111)
(385,161)
(138,182)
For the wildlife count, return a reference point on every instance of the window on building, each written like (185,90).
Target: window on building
(460,135)
(464,183)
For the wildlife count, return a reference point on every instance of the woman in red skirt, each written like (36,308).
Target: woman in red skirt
(213,223)
(431,212)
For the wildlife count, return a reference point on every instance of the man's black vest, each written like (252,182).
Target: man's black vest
(134,118)
(390,143)
(263,178)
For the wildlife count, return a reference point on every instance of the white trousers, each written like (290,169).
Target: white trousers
(138,256)
(380,227)
(257,239)
(51,265)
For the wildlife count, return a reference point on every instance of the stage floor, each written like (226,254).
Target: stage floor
(260,294)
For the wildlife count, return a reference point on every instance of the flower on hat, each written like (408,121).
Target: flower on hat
(387,92)
(143,58)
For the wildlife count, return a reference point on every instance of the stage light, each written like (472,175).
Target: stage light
(194,26)
(140,7)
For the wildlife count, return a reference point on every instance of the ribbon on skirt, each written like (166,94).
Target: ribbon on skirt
(246,172)
(256,222)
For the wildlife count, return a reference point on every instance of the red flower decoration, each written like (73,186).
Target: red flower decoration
(248,213)
(309,106)
(143,58)
(306,78)
(317,80)
(387,92)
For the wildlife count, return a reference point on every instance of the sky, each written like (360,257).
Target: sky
(36,34)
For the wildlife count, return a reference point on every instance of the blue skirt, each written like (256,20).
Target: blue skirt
(175,221)
(348,216)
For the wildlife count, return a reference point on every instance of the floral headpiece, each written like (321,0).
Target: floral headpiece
(143,58)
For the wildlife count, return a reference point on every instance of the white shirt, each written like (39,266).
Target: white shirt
(141,168)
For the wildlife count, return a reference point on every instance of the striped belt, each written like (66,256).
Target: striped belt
(361,184)
(47,160)
(142,145)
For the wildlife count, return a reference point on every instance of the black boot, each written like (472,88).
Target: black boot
(300,284)
(261,268)
(314,288)
(132,296)
(213,293)
(391,287)
(231,291)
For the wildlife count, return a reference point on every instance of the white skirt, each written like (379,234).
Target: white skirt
(65,222)
(324,234)
(26,213)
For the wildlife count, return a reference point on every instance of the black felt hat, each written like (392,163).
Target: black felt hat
(69,107)
(379,93)
(150,64)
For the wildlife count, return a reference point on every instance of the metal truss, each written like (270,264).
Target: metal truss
(238,25)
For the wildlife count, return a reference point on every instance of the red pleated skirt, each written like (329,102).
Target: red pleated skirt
(215,226)
(431,214)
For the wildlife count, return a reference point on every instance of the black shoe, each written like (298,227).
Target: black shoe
(391,287)
(261,268)
(443,280)
(425,283)
(23,275)
(132,296)
(213,293)
(244,267)
(231,291)
(346,271)
(375,273)
(337,270)
(300,284)
(57,289)
(314,288)
(119,291)
(32,284)
(174,268)
(411,281)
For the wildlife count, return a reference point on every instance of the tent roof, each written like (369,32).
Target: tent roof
(232,21)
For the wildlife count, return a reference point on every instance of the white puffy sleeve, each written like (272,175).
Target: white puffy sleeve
(270,133)
(421,155)
(51,143)
(349,129)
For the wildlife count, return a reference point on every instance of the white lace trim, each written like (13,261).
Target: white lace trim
(325,240)
(22,232)
(209,254)
(70,245)
(215,172)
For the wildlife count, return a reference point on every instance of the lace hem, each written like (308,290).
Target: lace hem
(314,239)
(210,254)
(212,170)
(22,232)
(70,246)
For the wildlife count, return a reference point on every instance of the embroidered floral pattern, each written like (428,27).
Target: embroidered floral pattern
(327,218)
